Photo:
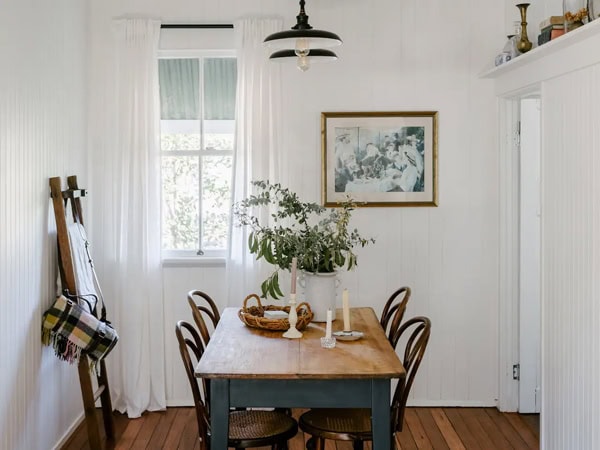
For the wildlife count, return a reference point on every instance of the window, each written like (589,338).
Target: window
(197,135)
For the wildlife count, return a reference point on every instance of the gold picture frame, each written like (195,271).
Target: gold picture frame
(380,158)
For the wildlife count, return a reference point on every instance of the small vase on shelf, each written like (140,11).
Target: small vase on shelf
(509,51)
(576,13)
(523,44)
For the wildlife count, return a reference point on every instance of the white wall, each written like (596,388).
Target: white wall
(566,75)
(178,281)
(571,261)
(42,134)
(396,56)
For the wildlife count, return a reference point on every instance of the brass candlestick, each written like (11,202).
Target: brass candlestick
(523,44)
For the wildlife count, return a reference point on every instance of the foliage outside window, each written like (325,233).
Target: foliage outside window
(197,97)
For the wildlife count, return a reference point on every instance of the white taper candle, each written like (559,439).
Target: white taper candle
(346,310)
(328,326)
(294,264)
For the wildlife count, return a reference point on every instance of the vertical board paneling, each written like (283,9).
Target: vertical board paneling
(177,283)
(42,134)
(403,59)
(570,268)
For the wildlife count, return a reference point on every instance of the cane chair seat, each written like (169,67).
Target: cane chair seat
(247,428)
(354,424)
(258,428)
(348,424)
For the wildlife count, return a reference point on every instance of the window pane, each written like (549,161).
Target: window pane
(218,134)
(216,201)
(179,135)
(180,227)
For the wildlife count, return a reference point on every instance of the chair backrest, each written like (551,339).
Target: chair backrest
(191,349)
(202,305)
(394,309)
(417,331)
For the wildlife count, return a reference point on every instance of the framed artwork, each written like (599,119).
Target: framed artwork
(379,158)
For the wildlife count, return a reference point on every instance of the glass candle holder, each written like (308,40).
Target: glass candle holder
(328,342)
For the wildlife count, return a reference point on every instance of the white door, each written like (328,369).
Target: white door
(530,235)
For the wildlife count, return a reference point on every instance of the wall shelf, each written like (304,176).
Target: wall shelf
(569,52)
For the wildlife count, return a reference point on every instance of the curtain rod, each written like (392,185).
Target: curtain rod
(197,25)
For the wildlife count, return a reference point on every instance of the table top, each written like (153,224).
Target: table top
(238,351)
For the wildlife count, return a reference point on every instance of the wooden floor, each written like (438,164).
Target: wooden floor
(425,428)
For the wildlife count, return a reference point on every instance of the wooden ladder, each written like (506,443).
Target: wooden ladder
(67,274)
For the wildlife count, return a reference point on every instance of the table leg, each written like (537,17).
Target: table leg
(219,413)
(380,414)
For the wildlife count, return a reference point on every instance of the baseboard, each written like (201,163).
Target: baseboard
(69,432)
(451,403)
(175,403)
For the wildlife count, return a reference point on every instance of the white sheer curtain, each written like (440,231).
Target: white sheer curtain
(258,116)
(133,238)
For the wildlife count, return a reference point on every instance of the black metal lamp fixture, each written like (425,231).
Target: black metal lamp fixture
(308,43)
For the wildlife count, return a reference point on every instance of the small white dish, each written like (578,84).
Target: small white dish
(275,314)
(348,335)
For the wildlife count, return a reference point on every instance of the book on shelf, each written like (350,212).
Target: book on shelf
(560,26)
(550,33)
(552,20)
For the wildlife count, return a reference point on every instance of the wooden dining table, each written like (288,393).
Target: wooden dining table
(250,367)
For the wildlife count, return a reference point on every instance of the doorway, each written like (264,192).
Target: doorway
(529,369)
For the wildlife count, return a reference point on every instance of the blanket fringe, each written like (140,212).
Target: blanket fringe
(64,349)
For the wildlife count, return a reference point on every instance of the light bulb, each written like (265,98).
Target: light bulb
(303,63)
(302,47)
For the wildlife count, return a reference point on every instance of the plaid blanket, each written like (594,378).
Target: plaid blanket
(71,330)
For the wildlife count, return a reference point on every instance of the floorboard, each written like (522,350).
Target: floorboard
(433,432)
(451,437)
(424,428)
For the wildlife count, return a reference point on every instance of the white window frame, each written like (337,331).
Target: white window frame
(178,258)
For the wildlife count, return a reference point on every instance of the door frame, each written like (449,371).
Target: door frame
(509,272)
(530,256)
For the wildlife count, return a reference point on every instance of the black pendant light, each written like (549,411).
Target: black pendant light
(307,43)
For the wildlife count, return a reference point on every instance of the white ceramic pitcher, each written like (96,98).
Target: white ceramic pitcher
(320,292)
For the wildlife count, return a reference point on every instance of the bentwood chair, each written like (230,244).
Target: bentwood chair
(354,424)
(204,306)
(394,309)
(247,428)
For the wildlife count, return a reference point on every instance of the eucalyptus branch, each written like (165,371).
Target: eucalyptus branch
(319,238)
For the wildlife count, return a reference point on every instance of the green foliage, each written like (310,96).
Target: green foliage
(318,237)
(181,178)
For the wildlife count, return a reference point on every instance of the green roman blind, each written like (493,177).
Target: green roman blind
(179,86)
(220,77)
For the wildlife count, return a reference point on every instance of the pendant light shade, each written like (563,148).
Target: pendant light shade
(304,62)
(315,38)
(302,41)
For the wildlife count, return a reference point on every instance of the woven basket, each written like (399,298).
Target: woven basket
(253,316)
